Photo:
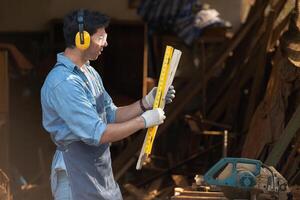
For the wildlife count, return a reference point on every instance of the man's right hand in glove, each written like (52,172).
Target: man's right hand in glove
(153,117)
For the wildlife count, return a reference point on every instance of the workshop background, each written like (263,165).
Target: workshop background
(237,89)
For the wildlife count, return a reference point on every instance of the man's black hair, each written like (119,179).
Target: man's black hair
(92,21)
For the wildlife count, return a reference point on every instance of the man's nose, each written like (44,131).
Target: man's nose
(105,44)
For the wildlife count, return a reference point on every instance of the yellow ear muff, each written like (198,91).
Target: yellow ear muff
(86,40)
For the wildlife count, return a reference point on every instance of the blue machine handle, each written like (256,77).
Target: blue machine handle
(210,176)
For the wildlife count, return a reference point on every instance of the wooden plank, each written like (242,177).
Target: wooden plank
(3,82)
(290,161)
(256,89)
(237,83)
(4,109)
(4,186)
(284,140)
(188,191)
(186,197)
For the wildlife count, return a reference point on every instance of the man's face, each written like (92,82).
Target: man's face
(98,42)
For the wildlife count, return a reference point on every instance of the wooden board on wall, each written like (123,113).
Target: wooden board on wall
(4,110)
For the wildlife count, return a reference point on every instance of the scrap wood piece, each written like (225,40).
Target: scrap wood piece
(282,21)
(261,59)
(292,158)
(278,31)
(22,62)
(238,75)
(259,63)
(294,171)
(4,111)
(4,186)
(284,13)
(233,84)
(236,71)
(284,139)
(189,191)
(267,123)
(238,82)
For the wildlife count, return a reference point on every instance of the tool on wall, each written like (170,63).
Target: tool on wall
(244,178)
(167,74)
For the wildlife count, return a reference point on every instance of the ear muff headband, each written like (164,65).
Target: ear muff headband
(82,38)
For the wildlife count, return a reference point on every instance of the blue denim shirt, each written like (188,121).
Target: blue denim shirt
(70,111)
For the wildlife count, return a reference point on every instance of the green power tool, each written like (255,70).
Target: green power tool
(242,178)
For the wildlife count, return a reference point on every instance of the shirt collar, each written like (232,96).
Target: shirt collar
(61,58)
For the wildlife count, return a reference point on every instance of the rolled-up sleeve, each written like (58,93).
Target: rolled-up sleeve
(77,111)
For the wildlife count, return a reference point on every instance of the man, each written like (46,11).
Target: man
(81,117)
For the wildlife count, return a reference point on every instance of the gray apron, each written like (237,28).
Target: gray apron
(89,167)
(90,173)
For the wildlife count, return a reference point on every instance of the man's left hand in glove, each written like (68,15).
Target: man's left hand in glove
(148,100)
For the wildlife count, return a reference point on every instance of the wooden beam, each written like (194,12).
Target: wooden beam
(292,162)
(4,111)
(284,140)
(265,42)
(237,83)
(4,82)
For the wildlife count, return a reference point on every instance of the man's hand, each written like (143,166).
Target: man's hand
(149,98)
(153,117)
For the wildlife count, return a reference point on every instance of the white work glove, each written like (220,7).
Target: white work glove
(153,117)
(149,98)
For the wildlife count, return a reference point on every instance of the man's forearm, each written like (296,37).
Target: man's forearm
(126,113)
(118,131)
